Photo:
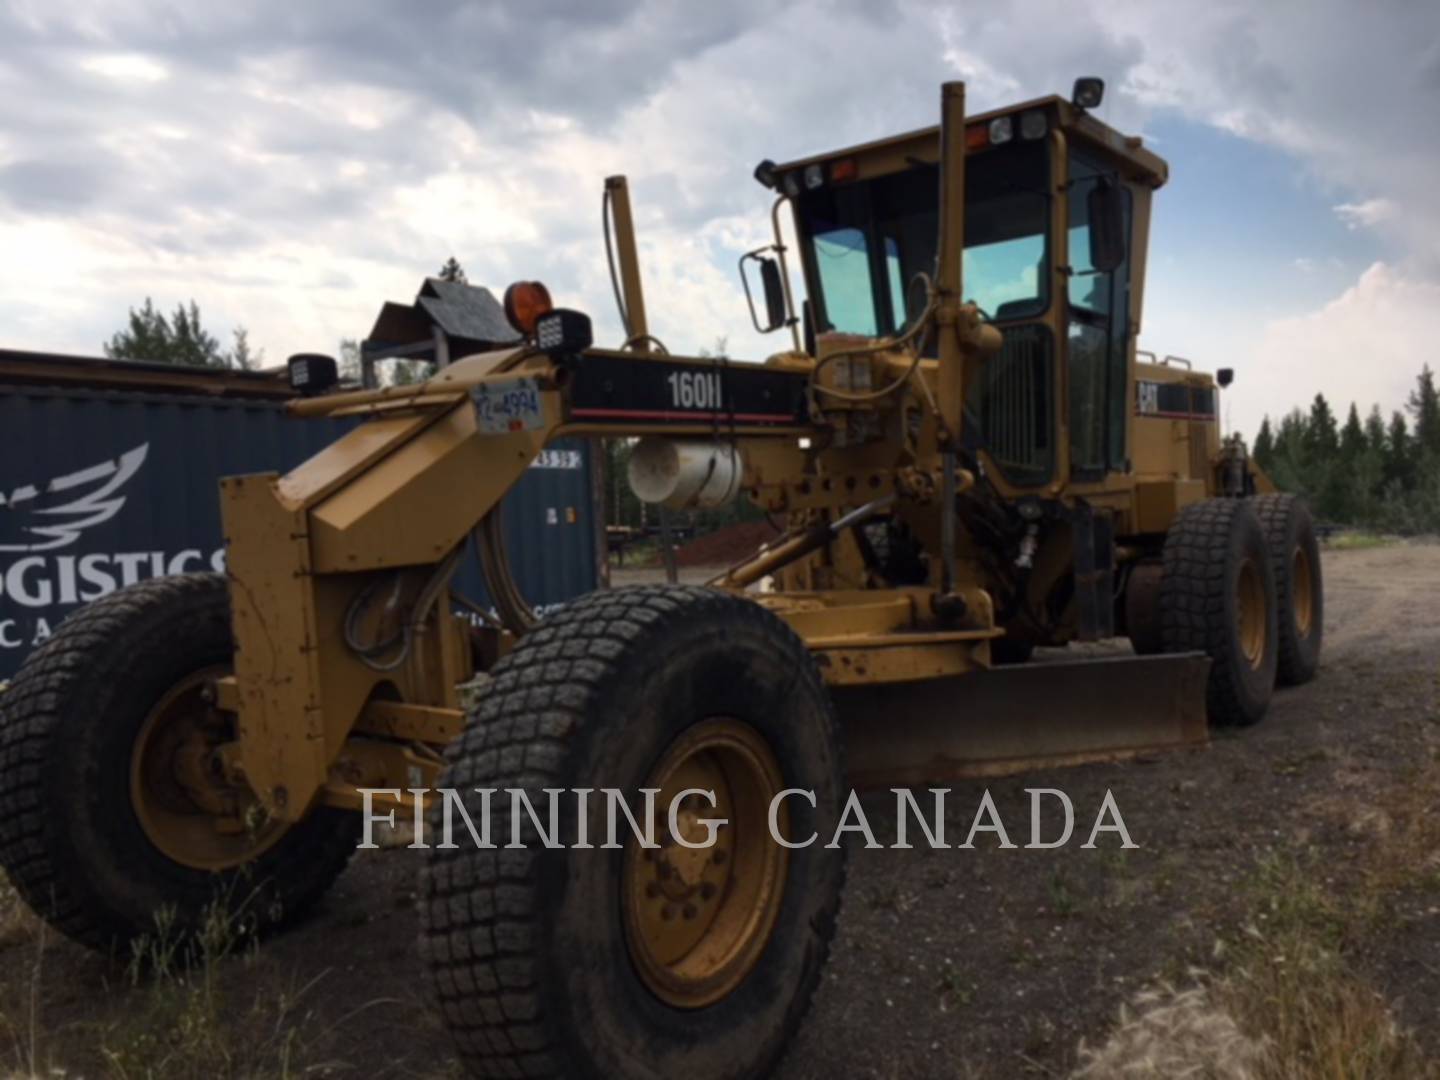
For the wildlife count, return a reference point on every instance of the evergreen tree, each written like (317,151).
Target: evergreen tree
(1375,431)
(1322,439)
(241,355)
(1424,406)
(409,372)
(1290,462)
(180,339)
(1352,437)
(1264,451)
(1398,469)
(453,271)
(146,338)
(1372,473)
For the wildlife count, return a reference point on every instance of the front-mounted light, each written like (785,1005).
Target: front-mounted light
(791,184)
(525,302)
(1032,124)
(312,373)
(1002,130)
(814,177)
(564,332)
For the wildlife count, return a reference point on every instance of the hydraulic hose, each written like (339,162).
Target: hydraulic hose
(515,613)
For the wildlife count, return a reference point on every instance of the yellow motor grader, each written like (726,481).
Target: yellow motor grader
(970,460)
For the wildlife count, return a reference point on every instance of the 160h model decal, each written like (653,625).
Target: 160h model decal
(627,390)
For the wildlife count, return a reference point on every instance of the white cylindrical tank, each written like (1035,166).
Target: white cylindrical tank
(685,474)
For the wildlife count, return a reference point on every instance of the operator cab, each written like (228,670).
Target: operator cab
(1037,177)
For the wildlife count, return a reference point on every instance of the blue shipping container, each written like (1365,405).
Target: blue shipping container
(103,487)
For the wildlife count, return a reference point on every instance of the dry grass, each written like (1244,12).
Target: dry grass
(1289,1000)
(1167,1034)
(1292,978)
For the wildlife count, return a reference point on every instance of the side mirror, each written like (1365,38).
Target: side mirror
(772,287)
(1105,207)
(1225,376)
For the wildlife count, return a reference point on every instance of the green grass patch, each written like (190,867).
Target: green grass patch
(1359,541)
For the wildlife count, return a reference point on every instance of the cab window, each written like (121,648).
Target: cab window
(1097,327)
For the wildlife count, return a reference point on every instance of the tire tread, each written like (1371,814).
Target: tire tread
(479,936)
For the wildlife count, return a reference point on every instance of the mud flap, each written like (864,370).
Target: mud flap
(1008,720)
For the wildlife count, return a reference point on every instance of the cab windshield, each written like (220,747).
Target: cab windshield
(866,241)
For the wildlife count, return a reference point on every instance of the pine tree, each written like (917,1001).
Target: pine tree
(1322,439)
(1352,437)
(453,271)
(1264,451)
(1398,465)
(146,338)
(1424,406)
(1290,461)
(409,372)
(180,339)
(1375,431)
(241,355)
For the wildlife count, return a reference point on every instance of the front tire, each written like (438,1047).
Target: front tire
(103,820)
(1299,592)
(1217,596)
(639,962)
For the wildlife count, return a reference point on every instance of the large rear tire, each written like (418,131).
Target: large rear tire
(106,802)
(640,962)
(1299,592)
(1217,596)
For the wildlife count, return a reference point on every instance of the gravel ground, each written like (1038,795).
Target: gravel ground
(986,962)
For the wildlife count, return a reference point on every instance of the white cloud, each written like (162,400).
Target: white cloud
(1366,346)
(126,67)
(1366,214)
(293,166)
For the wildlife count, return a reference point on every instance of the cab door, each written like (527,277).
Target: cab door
(1096,334)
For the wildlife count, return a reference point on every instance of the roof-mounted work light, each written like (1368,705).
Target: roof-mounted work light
(1088,93)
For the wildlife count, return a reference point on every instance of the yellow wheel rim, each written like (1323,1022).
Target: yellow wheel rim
(1250,613)
(1302,595)
(187,806)
(698,919)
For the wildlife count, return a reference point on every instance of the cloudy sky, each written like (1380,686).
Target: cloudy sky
(290,165)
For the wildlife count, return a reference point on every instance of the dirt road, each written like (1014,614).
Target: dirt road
(946,963)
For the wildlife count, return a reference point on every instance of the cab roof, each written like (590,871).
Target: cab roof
(895,152)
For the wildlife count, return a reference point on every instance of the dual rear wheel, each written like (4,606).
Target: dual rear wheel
(1239,580)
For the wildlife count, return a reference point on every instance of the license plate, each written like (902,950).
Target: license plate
(512,405)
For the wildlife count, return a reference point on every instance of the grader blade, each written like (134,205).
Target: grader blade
(1017,719)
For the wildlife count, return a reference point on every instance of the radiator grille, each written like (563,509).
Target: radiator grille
(1017,408)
